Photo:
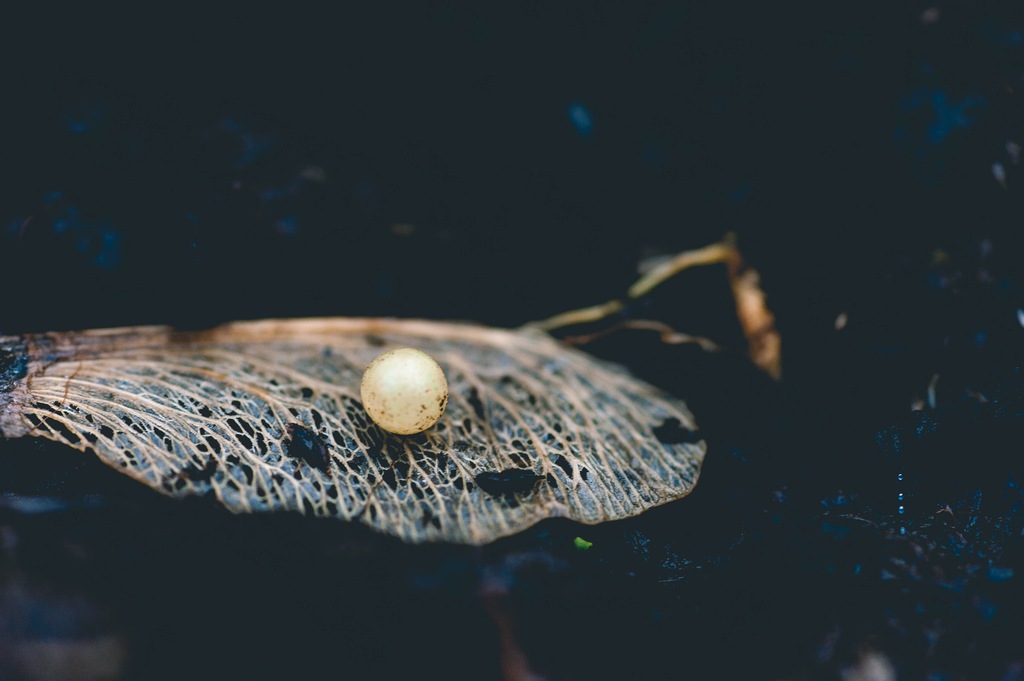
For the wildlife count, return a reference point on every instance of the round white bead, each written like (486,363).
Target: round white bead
(404,391)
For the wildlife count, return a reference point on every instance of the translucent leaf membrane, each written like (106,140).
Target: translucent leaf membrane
(265,416)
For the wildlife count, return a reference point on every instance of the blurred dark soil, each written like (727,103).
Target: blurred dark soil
(860,519)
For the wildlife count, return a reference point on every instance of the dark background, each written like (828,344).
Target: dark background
(501,164)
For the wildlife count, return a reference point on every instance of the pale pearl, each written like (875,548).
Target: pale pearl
(404,391)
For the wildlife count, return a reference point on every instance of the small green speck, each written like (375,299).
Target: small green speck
(581,543)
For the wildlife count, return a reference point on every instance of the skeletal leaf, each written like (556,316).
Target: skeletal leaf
(265,416)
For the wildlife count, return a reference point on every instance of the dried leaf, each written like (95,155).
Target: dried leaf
(265,416)
(763,339)
(764,343)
